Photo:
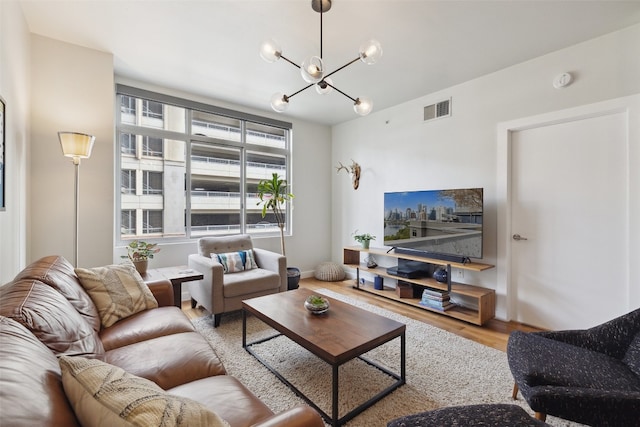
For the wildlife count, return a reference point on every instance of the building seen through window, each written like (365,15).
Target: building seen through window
(188,170)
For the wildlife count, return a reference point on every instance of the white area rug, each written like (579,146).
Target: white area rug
(443,369)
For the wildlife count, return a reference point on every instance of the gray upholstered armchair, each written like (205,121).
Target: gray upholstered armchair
(590,376)
(221,292)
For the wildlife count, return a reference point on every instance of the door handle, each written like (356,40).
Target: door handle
(519,237)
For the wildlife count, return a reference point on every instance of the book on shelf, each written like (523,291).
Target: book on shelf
(437,298)
(442,306)
(434,292)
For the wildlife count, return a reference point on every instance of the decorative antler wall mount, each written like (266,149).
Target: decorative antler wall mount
(354,170)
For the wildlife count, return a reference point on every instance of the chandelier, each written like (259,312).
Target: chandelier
(313,69)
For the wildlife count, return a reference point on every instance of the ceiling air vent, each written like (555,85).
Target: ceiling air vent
(437,110)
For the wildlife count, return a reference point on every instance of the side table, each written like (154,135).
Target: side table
(177,276)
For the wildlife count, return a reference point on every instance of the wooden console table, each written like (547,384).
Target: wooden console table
(177,276)
(485,298)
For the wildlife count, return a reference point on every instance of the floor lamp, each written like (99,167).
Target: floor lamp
(77,146)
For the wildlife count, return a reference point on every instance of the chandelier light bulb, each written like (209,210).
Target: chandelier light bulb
(370,52)
(363,106)
(279,102)
(323,88)
(270,51)
(312,69)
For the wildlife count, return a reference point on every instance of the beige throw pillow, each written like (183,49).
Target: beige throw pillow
(118,291)
(106,395)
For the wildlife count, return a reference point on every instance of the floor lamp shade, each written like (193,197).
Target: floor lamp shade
(76,144)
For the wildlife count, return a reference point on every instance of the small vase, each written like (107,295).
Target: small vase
(365,244)
(440,275)
(141,266)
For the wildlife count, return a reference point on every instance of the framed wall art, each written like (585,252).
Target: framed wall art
(3,156)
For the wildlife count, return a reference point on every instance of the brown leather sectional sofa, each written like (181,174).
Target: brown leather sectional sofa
(46,314)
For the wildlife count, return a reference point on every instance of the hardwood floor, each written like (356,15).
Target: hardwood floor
(493,334)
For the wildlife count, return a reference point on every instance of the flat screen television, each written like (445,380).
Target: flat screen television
(441,224)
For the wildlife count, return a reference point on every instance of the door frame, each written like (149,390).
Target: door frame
(504,285)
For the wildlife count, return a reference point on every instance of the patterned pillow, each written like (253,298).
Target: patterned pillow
(234,262)
(118,291)
(251,260)
(103,394)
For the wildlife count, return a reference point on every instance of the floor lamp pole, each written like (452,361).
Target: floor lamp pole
(77,146)
(76,162)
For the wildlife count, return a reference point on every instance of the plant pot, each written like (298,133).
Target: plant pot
(365,244)
(293,278)
(141,266)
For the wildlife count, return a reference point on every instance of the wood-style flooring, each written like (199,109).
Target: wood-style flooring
(494,334)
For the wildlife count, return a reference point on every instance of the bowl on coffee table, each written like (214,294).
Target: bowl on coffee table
(316,304)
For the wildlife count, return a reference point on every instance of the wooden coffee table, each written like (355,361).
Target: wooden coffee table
(338,336)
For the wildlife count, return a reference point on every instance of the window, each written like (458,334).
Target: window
(127,222)
(128,181)
(152,109)
(151,146)
(128,144)
(151,182)
(197,167)
(151,222)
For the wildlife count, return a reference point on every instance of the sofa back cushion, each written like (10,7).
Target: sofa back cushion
(50,317)
(31,391)
(118,291)
(103,394)
(221,245)
(58,273)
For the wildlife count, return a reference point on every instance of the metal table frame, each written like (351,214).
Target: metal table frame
(334,419)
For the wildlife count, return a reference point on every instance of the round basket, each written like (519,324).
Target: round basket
(329,272)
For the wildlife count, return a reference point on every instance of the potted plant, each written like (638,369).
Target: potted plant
(273,195)
(140,253)
(363,239)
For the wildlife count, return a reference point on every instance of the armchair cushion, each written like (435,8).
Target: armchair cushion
(118,291)
(248,282)
(554,363)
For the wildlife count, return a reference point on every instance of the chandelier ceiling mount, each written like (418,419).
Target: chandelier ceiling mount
(313,70)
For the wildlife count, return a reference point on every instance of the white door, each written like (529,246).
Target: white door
(569,200)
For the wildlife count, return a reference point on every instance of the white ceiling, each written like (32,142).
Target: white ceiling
(211,47)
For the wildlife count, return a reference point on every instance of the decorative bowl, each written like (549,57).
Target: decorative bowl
(316,304)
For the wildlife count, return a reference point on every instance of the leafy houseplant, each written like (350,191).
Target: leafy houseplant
(140,253)
(273,195)
(363,239)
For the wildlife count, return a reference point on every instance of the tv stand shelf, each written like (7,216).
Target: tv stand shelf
(485,298)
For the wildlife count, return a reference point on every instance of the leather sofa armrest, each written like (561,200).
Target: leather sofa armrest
(162,290)
(273,261)
(299,416)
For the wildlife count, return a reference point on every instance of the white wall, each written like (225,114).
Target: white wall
(72,89)
(14,88)
(397,151)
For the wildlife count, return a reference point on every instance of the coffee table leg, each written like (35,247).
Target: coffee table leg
(403,358)
(334,394)
(244,328)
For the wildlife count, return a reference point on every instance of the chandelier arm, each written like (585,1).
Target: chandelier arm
(301,90)
(353,99)
(344,66)
(289,61)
